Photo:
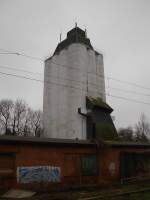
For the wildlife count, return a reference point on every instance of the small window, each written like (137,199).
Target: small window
(89,165)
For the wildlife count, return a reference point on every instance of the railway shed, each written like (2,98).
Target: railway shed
(29,162)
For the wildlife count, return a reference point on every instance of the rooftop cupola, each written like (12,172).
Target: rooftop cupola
(76,35)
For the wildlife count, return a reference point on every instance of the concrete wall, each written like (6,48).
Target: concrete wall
(70,76)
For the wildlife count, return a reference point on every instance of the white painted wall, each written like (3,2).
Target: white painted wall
(67,83)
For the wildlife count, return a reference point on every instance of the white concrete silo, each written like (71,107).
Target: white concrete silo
(74,72)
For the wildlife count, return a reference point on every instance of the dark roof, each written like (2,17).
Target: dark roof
(98,102)
(42,140)
(76,35)
(6,139)
(127,144)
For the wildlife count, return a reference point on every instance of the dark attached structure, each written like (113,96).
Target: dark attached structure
(99,122)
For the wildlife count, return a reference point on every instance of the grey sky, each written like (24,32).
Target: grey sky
(120,29)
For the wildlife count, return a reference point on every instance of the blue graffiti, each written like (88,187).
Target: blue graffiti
(38,174)
(55,174)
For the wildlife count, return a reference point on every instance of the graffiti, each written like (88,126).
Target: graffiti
(38,174)
(54,174)
(112,168)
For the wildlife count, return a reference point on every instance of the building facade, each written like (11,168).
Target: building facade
(43,163)
(74,72)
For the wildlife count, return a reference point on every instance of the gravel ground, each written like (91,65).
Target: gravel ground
(97,193)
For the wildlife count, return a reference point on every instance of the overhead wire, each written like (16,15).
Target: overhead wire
(30,72)
(20,54)
(128,99)
(129,91)
(48,82)
(63,78)
(17,69)
(70,67)
(130,83)
(111,78)
(38,80)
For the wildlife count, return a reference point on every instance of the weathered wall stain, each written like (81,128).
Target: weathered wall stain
(112,168)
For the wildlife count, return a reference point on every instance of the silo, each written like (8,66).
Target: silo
(74,72)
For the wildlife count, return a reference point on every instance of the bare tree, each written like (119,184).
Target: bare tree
(126,134)
(26,125)
(142,129)
(6,107)
(19,117)
(36,119)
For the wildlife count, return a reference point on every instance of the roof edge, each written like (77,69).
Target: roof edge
(43,140)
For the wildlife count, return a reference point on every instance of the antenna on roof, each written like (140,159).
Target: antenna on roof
(76,31)
(85,32)
(76,22)
(60,36)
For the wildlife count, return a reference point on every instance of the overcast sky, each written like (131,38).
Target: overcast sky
(120,29)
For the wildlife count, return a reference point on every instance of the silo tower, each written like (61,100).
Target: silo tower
(74,73)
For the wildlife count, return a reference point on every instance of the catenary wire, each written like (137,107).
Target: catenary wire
(128,99)
(20,54)
(19,70)
(40,59)
(114,96)
(129,91)
(30,72)
(63,78)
